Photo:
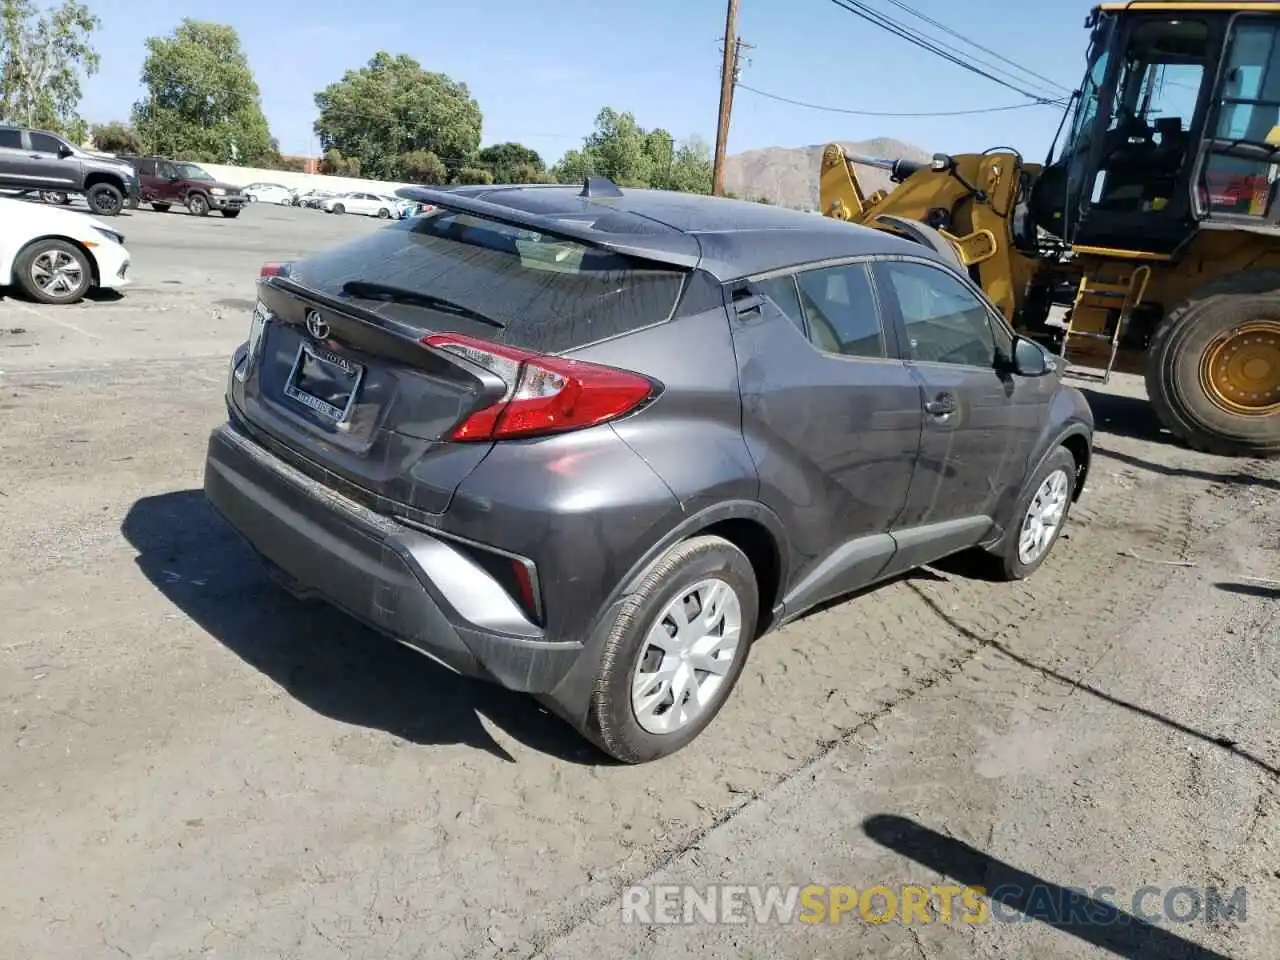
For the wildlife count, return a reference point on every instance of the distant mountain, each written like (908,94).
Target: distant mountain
(788,176)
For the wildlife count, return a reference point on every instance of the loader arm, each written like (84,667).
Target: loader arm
(969,198)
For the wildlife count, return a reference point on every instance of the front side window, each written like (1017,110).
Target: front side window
(944,320)
(43,143)
(841,312)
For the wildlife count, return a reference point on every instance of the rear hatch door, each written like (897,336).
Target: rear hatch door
(338,382)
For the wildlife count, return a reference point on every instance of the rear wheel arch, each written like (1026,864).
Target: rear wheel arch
(751,527)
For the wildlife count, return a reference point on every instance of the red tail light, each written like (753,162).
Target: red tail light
(274,270)
(544,394)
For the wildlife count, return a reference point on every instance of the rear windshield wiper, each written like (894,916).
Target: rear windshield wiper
(369,290)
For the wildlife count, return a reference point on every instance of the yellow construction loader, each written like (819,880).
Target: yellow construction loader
(1149,240)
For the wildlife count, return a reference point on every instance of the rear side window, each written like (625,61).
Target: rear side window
(841,309)
(11,139)
(547,293)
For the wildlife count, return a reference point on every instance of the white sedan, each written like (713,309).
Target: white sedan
(369,204)
(55,255)
(268,193)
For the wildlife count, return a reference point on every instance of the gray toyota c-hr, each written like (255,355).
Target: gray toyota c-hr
(590,443)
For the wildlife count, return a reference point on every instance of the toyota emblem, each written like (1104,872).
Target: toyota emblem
(316,326)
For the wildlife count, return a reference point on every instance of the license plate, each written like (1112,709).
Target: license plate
(324,382)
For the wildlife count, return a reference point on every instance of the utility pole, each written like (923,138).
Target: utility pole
(728,74)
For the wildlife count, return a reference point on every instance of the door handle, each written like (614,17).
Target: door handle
(943,406)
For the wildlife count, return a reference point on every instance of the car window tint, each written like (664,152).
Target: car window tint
(945,322)
(548,294)
(782,292)
(43,143)
(840,308)
(11,139)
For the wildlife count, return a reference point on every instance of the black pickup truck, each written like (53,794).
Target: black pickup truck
(39,161)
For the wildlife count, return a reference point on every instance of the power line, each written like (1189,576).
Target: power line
(874,113)
(861,10)
(977,46)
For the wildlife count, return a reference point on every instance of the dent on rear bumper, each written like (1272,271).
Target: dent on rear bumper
(413,586)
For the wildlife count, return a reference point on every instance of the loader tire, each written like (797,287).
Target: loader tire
(1193,404)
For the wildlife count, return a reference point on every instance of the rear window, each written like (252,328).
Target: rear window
(550,294)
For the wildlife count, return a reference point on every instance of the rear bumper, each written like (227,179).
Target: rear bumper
(413,586)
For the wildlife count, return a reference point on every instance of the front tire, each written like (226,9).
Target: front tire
(384,213)
(197,205)
(1213,367)
(105,200)
(231,214)
(53,271)
(1039,518)
(675,651)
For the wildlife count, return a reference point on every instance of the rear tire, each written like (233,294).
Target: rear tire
(160,207)
(1174,361)
(1054,481)
(48,259)
(105,200)
(612,720)
(339,208)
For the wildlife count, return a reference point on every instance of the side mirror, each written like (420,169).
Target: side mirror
(1032,360)
(64,151)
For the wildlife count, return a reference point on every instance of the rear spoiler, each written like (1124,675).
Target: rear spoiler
(667,246)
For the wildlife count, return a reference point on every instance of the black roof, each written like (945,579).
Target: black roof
(730,239)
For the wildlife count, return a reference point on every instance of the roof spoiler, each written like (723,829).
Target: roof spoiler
(676,248)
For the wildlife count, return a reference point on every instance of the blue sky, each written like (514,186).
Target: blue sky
(541,72)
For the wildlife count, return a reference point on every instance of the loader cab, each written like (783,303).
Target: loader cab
(1170,128)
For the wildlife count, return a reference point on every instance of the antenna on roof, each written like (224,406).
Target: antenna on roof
(599,187)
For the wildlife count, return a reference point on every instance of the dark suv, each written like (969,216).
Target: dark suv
(169,182)
(591,445)
(37,160)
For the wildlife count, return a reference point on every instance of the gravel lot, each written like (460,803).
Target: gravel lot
(194,765)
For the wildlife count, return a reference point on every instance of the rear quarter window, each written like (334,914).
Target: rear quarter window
(550,294)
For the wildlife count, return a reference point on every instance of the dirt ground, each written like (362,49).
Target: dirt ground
(194,765)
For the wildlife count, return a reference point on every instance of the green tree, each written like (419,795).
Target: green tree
(202,101)
(630,155)
(392,107)
(424,167)
(512,163)
(43,54)
(691,167)
(472,175)
(336,165)
(116,137)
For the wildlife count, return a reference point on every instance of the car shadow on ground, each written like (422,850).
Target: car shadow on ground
(1017,896)
(1133,418)
(1223,742)
(1266,591)
(324,659)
